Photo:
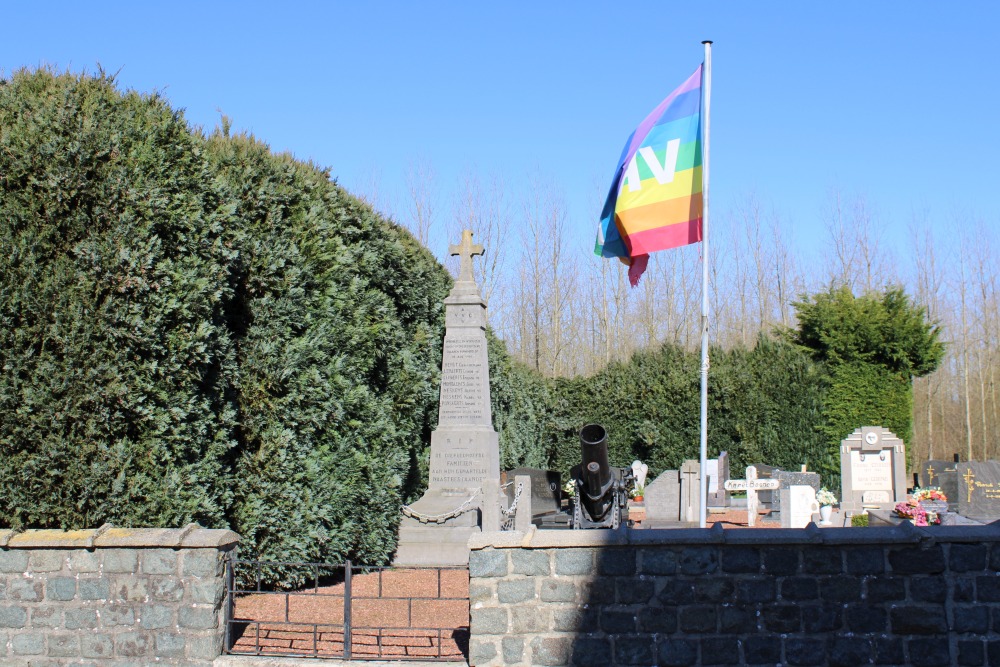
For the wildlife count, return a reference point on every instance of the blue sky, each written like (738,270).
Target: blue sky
(894,100)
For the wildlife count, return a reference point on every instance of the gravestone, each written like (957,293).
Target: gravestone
(942,474)
(690,491)
(464,447)
(672,498)
(979,490)
(663,498)
(771,499)
(872,470)
(718,474)
(798,502)
(767,498)
(546,488)
(752,485)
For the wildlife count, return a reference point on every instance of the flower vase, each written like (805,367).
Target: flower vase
(824,514)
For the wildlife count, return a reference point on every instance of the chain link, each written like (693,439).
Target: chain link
(440,518)
(508,522)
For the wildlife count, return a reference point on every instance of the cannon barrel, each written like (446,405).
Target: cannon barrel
(596,478)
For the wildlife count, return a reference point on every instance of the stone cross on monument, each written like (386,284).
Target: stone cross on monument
(752,485)
(465,251)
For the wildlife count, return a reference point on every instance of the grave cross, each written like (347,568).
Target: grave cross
(930,475)
(752,485)
(465,251)
(969,476)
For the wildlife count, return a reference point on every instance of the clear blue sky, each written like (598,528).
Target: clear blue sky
(896,100)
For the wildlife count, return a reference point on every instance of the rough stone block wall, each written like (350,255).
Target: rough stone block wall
(853,596)
(112,596)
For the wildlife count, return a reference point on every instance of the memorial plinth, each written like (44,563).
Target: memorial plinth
(465,449)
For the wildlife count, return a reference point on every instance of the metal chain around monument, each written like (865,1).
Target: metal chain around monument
(440,518)
(508,522)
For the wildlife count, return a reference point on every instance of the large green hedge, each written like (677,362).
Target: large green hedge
(115,359)
(764,406)
(195,329)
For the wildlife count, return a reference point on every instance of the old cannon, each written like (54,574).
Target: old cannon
(601,489)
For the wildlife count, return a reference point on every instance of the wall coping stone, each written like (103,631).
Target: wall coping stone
(191,536)
(903,533)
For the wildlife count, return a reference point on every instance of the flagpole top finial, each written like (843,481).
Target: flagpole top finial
(706,41)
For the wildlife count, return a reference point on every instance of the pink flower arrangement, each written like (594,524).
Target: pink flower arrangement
(911,509)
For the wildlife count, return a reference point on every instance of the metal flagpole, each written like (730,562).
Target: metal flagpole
(706,103)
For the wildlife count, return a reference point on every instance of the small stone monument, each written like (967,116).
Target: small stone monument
(752,485)
(872,470)
(464,447)
(672,498)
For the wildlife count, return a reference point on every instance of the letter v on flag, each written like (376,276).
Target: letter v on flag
(655,200)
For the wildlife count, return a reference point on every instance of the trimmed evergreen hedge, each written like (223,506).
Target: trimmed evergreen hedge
(195,329)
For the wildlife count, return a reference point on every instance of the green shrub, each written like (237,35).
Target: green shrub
(115,359)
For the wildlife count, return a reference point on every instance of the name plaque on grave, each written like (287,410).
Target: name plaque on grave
(871,471)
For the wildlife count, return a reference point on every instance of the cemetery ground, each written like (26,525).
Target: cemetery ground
(397,613)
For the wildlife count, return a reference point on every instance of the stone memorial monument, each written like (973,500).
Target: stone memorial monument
(464,447)
(872,470)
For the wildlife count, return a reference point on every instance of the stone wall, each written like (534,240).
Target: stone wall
(851,596)
(112,596)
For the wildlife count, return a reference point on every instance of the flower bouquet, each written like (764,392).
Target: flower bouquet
(826,497)
(917,513)
(931,499)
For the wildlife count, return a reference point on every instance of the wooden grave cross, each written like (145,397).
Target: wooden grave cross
(751,485)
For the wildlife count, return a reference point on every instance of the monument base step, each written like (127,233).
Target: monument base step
(433,545)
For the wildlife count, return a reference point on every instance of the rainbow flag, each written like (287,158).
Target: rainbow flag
(655,199)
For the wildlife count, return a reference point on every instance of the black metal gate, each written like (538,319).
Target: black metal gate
(347,611)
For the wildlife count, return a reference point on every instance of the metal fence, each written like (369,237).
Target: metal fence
(348,612)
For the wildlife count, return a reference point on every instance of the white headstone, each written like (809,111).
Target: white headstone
(798,505)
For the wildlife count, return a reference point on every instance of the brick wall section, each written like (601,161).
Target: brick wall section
(851,596)
(112,596)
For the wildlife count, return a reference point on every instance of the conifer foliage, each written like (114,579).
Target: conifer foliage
(114,355)
(195,329)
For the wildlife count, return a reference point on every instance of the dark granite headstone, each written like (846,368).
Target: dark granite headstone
(979,490)
(942,474)
(546,488)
